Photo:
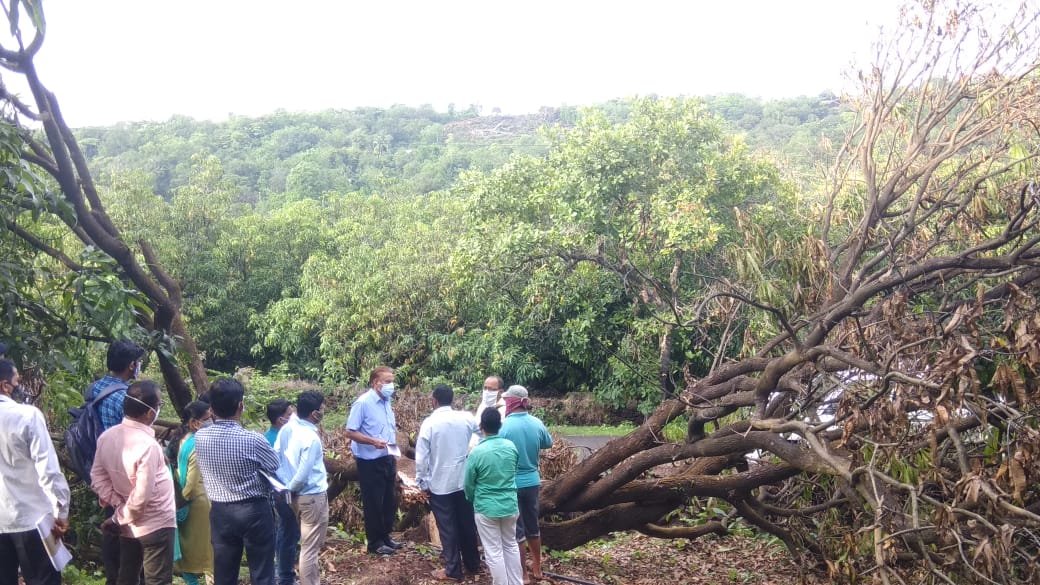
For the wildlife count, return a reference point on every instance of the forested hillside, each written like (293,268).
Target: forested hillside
(237,210)
(286,156)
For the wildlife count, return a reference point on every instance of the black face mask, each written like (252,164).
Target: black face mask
(18,393)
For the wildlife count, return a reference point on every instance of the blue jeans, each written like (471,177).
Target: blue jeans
(235,526)
(286,541)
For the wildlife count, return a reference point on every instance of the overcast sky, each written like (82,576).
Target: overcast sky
(112,60)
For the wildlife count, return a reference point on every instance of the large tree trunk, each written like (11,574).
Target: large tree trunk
(59,156)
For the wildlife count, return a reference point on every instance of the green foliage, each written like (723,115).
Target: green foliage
(56,296)
(322,242)
(288,156)
(594,431)
(378,290)
(675,431)
(32,9)
(523,271)
(84,536)
(609,235)
(76,576)
(803,132)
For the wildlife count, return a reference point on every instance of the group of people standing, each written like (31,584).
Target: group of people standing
(194,508)
(214,492)
(491,490)
(219,490)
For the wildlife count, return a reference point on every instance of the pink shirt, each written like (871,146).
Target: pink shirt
(130,474)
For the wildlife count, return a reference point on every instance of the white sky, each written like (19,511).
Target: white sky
(112,60)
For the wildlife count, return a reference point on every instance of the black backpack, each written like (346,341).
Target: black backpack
(82,435)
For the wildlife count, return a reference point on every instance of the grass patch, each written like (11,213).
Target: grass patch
(594,431)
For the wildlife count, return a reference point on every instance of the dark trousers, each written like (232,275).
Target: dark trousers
(24,550)
(378,479)
(458,532)
(247,525)
(286,541)
(152,553)
(110,556)
(527,521)
(110,552)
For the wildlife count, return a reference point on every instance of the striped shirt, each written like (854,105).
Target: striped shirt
(231,458)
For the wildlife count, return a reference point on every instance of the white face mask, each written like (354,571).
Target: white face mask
(155,410)
(137,370)
(489,397)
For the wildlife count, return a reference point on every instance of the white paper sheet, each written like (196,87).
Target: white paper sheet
(280,488)
(56,550)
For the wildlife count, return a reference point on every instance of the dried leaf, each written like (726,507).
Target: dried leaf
(1018,474)
(972,487)
(942,416)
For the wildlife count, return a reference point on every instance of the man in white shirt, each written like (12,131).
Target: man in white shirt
(31,487)
(301,467)
(440,470)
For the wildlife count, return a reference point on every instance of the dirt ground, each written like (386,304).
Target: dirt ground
(628,558)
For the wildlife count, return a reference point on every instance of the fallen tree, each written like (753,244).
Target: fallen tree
(887,428)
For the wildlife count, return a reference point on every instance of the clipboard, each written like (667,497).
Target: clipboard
(56,550)
(279,487)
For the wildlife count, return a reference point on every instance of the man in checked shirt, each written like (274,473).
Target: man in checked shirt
(231,460)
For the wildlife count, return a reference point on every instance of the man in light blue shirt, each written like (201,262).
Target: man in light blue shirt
(301,467)
(440,470)
(372,430)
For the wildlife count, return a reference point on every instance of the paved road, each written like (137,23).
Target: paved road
(586,444)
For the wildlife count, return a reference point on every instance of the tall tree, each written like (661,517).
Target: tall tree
(605,241)
(56,154)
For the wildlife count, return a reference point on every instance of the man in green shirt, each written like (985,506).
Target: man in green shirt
(491,485)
